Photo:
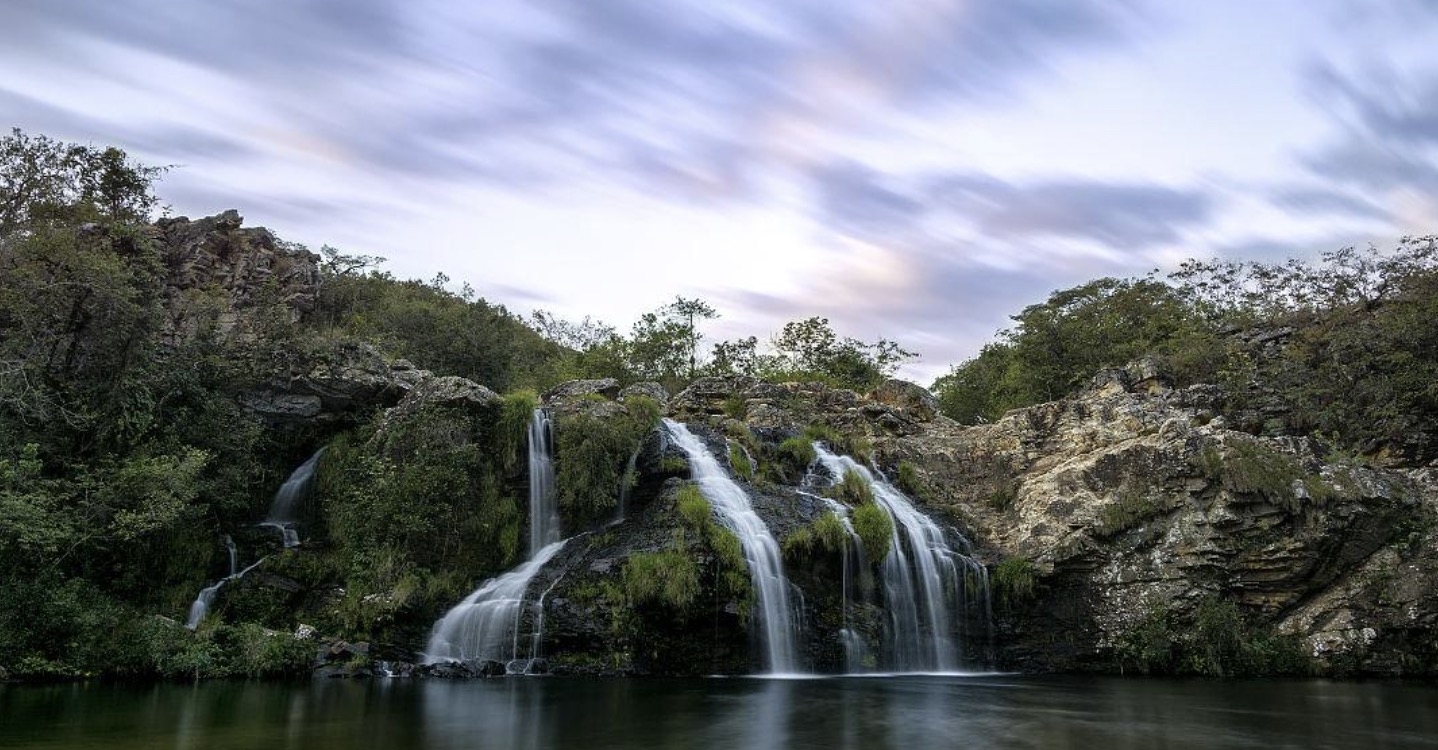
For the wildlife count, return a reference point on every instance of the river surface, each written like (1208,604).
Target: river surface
(902,713)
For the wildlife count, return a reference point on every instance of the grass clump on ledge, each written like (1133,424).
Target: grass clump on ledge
(875,530)
(669,577)
(1014,580)
(740,463)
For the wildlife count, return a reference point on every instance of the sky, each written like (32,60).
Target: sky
(917,170)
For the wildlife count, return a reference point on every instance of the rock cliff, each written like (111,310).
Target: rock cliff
(228,280)
(1124,514)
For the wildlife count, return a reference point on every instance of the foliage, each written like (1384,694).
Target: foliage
(663,345)
(852,490)
(1004,497)
(669,576)
(1129,508)
(591,453)
(1248,467)
(1056,346)
(829,531)
(511,430)
(702,553)
(826,533)
(1014,580)
(739,462)
(46,183)
(1342,349)
(910,484)
(797,452)
(1215,640)
(810,350)
(875,530)
(410,497)
(693,509)
(437,329)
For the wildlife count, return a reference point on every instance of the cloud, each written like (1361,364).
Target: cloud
(1398,108)
(1120,216)
(855,198)
(1315,201)
(693,97)
(178,141)
(1389,137)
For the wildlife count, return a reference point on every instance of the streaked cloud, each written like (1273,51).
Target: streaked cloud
(915,169)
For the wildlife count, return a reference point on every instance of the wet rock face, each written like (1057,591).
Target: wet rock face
(1130,502)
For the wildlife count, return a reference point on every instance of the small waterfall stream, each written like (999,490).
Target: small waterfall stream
(626,483)
(766,569)
(206,599)
(486,624)
(924,587)
(543,500)
(282,516)
(284,508)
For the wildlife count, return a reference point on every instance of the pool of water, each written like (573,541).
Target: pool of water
(902,713)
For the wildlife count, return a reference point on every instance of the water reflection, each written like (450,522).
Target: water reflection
(903,713)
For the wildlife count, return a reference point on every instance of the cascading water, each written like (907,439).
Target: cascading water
(543,502)
(284,508)
(766,570)
(486,624)
(856,651)
(925,595)
(857,657)
(626,483)
(206,599)
(234,554)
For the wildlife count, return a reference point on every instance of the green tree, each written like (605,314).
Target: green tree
(810,349)
(1056,346)
(663,345)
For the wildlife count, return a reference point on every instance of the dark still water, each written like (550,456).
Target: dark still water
(904,713)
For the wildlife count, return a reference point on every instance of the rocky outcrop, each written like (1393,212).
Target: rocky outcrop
(1132,503)
(450,392)
(345,379)
(1124,516)
(231,282)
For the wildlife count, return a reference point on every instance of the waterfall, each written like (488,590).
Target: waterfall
(486,624)
(852,560)
(626,483)
(234,554)
(284,508)
(201,606)
(543,505)
(206,598)
(925,595)
(856,651)
(766,570)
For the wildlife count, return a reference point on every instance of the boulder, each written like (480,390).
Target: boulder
(648,390)
(445,390)
(606,387)
(344,379)
(908,399)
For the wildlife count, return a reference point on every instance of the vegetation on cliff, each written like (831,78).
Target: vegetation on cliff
(1343,348)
